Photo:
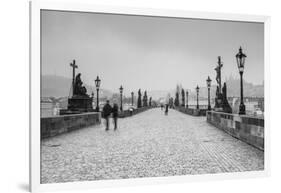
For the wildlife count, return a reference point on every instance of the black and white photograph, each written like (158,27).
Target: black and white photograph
(137,96)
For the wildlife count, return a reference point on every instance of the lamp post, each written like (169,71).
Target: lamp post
(121,92)
(197,90)
(209,87)
(132,94)
(92,98)
(97,82)
(240,58)
(186,99)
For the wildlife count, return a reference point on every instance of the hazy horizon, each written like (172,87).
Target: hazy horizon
(63,85)
(152,53)
(116,90)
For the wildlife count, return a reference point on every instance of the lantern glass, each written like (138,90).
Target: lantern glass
(209,82)
(240,59)
(197,89)
(97,82)
(121,89)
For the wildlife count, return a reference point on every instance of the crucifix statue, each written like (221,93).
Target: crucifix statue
(73,65)
(218,70)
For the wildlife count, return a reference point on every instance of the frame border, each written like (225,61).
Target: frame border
(34,92)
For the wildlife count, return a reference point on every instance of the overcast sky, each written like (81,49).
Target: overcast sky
(152,53)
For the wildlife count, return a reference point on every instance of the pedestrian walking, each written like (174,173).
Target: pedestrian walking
(107,109)
(166,109)
(131,111)
(115,115)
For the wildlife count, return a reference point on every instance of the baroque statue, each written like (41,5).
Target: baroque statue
(79,89)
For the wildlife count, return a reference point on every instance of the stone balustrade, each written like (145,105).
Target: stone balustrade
(193,112)
(127,113)
(246,128)
(52,126)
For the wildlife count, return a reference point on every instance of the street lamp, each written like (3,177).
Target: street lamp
(240,58)
(132,93)
(121,92)
(209,86)
(186,99)
(97,82)
(197,90)
(92,98)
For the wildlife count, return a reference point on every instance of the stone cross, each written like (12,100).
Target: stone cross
(73,65)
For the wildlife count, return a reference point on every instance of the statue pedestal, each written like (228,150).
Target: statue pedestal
(222,104)
(218,101)
(218,109)
(226,107)
(78,104)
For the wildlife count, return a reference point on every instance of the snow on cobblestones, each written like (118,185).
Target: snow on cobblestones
(146,145)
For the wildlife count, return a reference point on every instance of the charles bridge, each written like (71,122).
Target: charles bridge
(152,144)
(149,142)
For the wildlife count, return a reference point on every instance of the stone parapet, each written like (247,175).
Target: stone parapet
(127,113)
(52,126)
(193,112)
(246,128)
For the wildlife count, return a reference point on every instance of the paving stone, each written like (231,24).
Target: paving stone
(149,144)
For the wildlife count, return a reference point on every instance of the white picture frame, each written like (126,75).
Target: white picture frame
(36,6)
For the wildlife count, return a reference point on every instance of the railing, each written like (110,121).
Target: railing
(52,126)
(191,111)
(246,128)
(128,113)
(200,106)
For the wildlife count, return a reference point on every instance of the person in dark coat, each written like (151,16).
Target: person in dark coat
(107,109)
(115,115)
(166,109)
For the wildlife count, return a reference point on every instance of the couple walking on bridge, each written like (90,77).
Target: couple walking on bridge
(107,111)
(166,108)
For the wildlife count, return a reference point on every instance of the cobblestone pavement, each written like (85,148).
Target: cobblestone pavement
(146,145)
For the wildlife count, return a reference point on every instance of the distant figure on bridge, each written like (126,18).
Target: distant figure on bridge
(115,115)
(107,109)
(166,109)
(131,111)
(162,106)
